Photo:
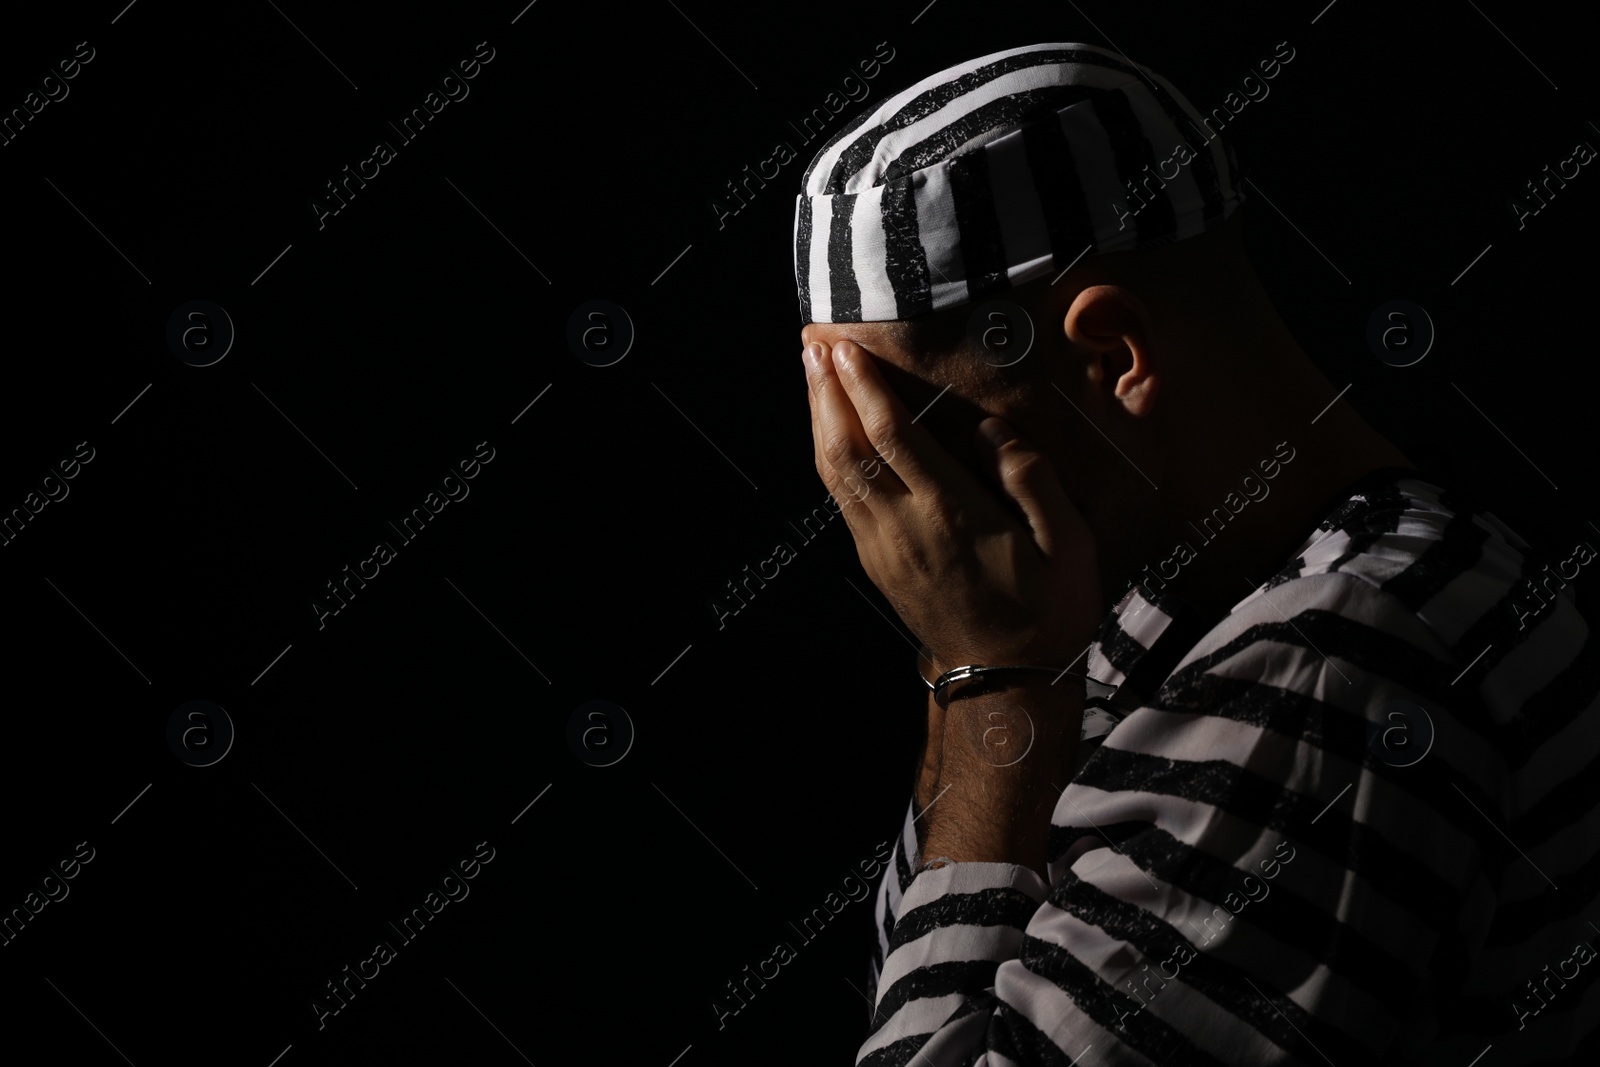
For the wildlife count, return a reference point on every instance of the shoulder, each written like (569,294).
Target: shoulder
(1406,558)
(1311,624)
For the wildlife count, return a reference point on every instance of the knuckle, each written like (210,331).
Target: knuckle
(1027,466)
(907,548)
(936,514)
(882,431)
(836,448)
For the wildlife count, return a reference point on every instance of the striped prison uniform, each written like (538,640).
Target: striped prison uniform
(1243,870)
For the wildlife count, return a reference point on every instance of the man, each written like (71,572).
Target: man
(1349,757)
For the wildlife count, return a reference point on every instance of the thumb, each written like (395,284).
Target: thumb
(1029,479)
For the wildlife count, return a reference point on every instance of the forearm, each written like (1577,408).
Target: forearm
(927,787)
(995,802)
(927,784)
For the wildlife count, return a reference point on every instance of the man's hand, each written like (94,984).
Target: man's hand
(968,577)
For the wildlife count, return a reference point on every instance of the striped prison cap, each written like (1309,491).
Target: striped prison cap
(997,171)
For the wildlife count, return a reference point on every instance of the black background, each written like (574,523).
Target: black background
(775,754)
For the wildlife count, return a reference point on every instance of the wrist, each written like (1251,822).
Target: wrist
(927,785)
(1002,722)
(1005,756)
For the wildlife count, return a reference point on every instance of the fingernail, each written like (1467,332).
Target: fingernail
(813,357)
(841,356)
(996,432)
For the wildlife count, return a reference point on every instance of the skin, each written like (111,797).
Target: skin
(1157,382)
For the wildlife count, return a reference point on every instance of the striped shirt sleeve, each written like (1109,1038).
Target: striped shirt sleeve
(898,872)
(891,890)
(1234,878)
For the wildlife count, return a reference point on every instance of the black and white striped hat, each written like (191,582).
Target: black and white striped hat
(998,171)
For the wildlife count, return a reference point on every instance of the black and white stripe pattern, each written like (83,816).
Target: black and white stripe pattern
(995,172)
(1411,906)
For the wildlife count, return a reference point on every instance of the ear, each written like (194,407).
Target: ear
(1112,327)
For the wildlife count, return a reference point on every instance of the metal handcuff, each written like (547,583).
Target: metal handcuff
(1097,694)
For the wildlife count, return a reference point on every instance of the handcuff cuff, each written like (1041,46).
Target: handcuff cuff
(977,678)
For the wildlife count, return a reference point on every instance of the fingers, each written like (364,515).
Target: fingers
(922,464)
(845,455)
(824,471)
(851,497)
(1028,478)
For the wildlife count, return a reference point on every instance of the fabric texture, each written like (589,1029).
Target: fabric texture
(1235,874)
(997,171)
